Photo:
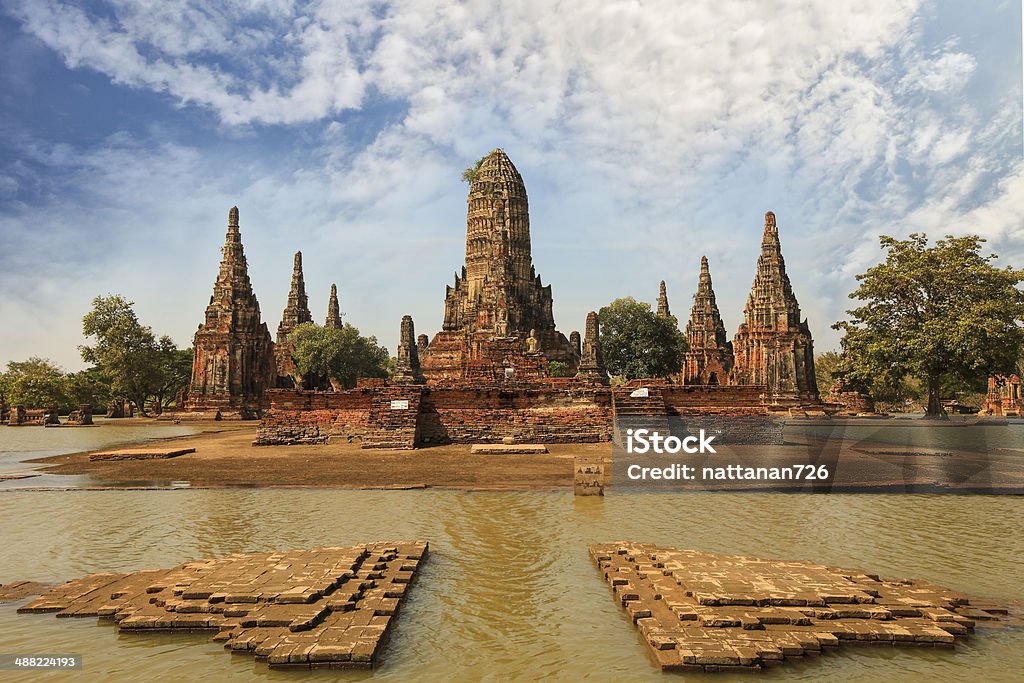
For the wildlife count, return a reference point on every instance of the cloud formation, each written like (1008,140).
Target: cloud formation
(648,133)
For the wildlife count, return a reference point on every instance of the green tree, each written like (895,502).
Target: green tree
(175,371)
(35,383)
(636,343)
(342,355)
(825,367)
(140,366)
(943,314)
(469,175)
(89,386)
(557,368)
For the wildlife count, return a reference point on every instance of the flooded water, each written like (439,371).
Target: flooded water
(18,445)
(508,591)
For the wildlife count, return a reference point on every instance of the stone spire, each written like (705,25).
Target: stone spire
(333,310)
(296,312)
(663,310)
(234,354)
(771,304)
(773,346)
(498,298)
(709,359)
(407,370)
(576,342)
(591,360)
(499,289)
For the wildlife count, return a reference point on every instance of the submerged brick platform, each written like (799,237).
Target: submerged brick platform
(145,453)
(707,612)
(326,607)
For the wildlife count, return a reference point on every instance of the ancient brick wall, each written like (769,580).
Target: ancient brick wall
(491,414)
(683,398)
(312,417)
(482,414)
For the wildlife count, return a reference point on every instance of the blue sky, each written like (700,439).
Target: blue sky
(647,133)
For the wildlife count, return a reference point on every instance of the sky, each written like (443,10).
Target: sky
(647,133)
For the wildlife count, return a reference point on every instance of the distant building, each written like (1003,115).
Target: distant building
(234,354)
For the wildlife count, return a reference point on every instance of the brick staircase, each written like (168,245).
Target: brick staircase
(639,412)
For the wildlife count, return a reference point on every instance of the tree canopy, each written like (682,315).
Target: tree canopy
(35,383)
(139,365)
(343,355)
(941,313)
(637,343)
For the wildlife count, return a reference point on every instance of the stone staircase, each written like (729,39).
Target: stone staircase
(638,412)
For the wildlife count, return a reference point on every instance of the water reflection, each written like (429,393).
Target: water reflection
(508,590)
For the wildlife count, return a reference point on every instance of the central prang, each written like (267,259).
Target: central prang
(498,320)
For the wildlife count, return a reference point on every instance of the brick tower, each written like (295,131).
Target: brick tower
(773,346)
(499,298)
(710,358)
(234,354)
(296,312)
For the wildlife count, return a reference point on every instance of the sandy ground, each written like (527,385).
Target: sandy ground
(228,458)
(225,457)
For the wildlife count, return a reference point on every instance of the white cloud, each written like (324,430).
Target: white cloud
(655,130)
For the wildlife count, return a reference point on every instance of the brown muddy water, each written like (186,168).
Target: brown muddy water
(508,591)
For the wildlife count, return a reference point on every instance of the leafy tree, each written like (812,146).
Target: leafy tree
(35,383)
(139,365)
(175,371)
(89,386)
(557,368)
(469,175)
(942,314)
(342,355)
(637,343)
(825,366)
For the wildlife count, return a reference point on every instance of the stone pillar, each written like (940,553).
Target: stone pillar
(422,343)
(663,311)
(575,341)
(591,361)
(588,477)
(408,370)
(333,310)
(17,416)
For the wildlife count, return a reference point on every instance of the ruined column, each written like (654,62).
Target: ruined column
(591,361)
(234,360)
(408,367)
(709,359)
(422,343)
(574,340)
(663,311)
(333,310)
(773,346)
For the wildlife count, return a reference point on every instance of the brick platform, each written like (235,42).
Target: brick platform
(702,611)
(141,454)
(326,607)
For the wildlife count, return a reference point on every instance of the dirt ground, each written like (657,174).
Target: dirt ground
(228,458)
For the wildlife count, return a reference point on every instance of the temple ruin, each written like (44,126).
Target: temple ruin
(333,319)
(709,359)
(499,299)
(1005,396)
(234,361)
(773,346)
(296,313)
(487,376)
